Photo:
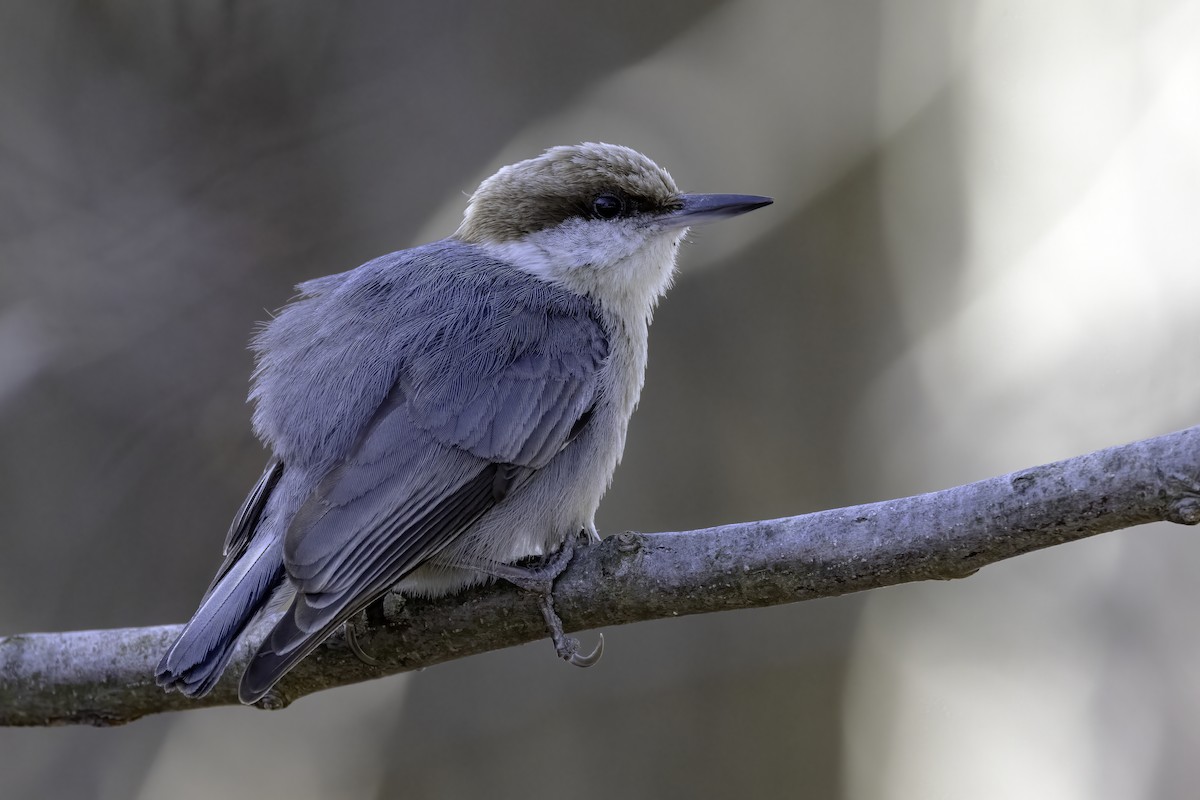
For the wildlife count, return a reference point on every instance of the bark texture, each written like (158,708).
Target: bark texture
(104,677)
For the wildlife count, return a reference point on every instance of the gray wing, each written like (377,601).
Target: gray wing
(245,521)
(473,414)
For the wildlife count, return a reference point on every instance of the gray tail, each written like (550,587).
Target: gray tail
(196,660)
(283,649)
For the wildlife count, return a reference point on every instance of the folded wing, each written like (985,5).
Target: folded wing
(480,405)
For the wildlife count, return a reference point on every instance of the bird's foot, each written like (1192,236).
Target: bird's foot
(540,580)
(567,647)
(351,639)
(537,578)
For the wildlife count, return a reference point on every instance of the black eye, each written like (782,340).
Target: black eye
(607,206)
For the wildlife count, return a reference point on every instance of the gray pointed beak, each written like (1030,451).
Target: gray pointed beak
(696,209)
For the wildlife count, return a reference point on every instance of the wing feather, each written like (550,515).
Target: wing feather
(245,521)
(485,395)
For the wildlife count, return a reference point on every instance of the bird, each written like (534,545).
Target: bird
(441,415)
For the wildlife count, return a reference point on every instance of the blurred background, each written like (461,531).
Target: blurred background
(982,256)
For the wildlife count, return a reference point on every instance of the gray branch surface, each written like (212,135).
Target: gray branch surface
(104,677)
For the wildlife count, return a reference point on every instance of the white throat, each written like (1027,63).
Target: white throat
(625,269)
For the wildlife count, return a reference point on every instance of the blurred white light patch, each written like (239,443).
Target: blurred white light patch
(928,724)
(25,349)
(1070,324)
(324,747)
(1080,267)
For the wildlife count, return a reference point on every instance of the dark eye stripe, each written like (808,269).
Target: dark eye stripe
(522,216)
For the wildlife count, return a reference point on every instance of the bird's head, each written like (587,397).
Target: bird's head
(598,219)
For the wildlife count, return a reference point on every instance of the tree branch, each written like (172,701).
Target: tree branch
(105,677)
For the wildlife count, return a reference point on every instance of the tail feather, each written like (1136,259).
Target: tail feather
(285,647)
(196,660)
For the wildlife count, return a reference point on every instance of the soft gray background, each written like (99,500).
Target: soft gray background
(983,256)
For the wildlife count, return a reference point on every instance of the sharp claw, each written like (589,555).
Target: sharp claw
(567,647)
(540,581)
(352,642)
(591,658)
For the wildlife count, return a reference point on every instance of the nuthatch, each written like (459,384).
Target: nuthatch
(440,413)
